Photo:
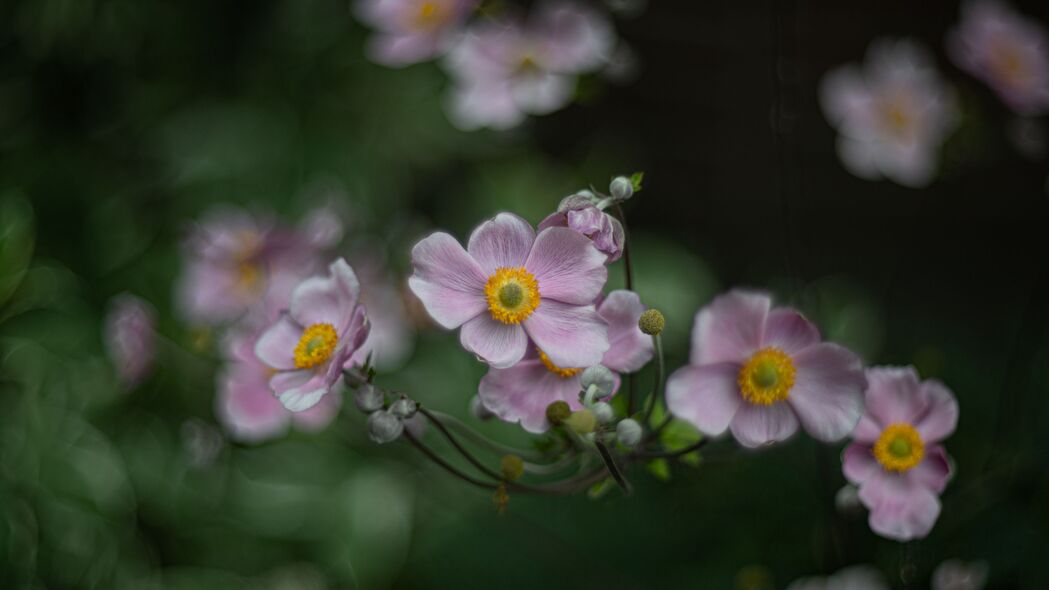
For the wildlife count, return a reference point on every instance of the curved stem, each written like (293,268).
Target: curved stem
(482,440)
(447,466)
(671,454)
(455,443)
(628,267)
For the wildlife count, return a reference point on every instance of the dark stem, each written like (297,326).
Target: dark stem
(671,454)
(613,468)
(455,443)
(447,466)
(629,270)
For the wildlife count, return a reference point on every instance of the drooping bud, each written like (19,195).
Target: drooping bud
(621,188)
(601,378)
(368,398)
(651,322)
(477,409)
(628,432)
(384,427)
(404,408)
(558,412)
(582,422)
(511,467)
(603,412)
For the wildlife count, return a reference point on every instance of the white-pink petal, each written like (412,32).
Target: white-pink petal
(447,280)
(567,266)
(707,397)
(498,344)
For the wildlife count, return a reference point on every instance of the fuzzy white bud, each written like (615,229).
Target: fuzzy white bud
(404,408)
(603,412)
(601,378)
(384,427)
(368,398)
(628,432)
(621,188)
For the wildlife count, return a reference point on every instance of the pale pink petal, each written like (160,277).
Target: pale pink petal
(899,509)
(276,346)
(483,104)
(828,391)
(707,397)
(730,328)
(934,471)
(245,405)
(501,242)
(859,157)
(629,347)
(567,266)
(892,395)
(755,425)
(398,50)
(541,93)
(858,463)
(941,412)
(521,393)
(447,280)
(299,390)
(498,344)
(789,331)
(326,299)
(319,416)
(867,430)
(571,335)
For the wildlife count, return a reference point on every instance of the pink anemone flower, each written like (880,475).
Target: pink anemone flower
(311,343)
(510,285)
(411,31)
(760,371)
(895,457)
(130,337)
(578,212)
(522,392)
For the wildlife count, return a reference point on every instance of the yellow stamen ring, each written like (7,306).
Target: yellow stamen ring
(512,293)
(899,448)
(556,370)
(767,377)
(316,345)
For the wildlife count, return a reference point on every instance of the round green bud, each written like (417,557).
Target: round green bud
(603,412)
(600,377)
(384,427)
(651,322)
(511,466)
(628,432)
(404,408)
(558,412)
(582,422)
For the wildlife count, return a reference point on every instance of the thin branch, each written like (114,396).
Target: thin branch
(447,466)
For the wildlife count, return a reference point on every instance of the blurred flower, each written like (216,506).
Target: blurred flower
(510,285)
(1007,51)
(505,70)
(311,343)
(245,405)
(579,214)
(955,574)
(895,458)
(201,442)
(759,371)
(522,392)
(892,115)
(392,334)
(411,31)
(856,577)
(130,335)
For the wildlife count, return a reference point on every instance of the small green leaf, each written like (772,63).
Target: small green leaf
(659,468)
(692,459)
(635,179)
(677,434)
(600,488)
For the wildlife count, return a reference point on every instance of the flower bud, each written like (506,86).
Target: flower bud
(404,408)
(477,409)
(847,500)
(511,466)
(603,412)
(582,422)
(384,427)
(621,188)
(368,398)
(601,378)
(651,322)
(628,432)
(558,412)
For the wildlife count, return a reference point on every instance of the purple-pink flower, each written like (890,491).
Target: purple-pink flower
(892,115)
(522,392)
(246,406)
(505,70)
(578,212)
(1007,51)
(760,371)
(411,31)
(130,337)
(896,457)
(315,338)
(510,285)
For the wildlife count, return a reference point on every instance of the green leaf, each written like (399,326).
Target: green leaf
(635,179)
(599,489)
(678,434)
(659,468)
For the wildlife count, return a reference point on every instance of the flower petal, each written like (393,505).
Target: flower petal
(892,395)
(899,508)
(299,390)
(447,280)
(941,414)
(707,397)
(503,241)
(755,425)
(498,344)
(571,335)
(245,405)
(276,346)
(319,416)
(858,463)
(567,266)
(629,347)
(934,471)
(789,331)
(522,392)
(730,328)
(828,391)
(329,299)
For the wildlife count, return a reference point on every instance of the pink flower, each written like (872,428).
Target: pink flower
(760,371)
(392,335)
(510,285)
(577,212)
(1007,51)
(895,458)
(130,335)
(892,115)
(856,577)
(522,392)
(504,71)
(311,343)
(411,31)
(245,404)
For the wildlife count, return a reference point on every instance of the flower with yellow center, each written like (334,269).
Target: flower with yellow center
(512,293)
(430,15)
(556,370)
(899,448)
(316,346)
(249,277)
(767,377)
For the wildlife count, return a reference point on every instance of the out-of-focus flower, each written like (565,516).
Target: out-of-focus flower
(130,336)
(510,285)
(1007,51)
(955,574)
(759,371)
(316,338)
(505,70)
(411,31)
(892,115)
(522,392)
(392,335)
(246,406)
(856,577)
(895,458)
(578,213)
(201,442)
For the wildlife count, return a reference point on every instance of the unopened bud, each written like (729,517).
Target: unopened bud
(628,432)
(404,408)
(511,467)
(847,500)
(621,188)
(558,412)
(601,378)
(651,322)
(368,398)
(477,409)
(603,412)
(582,422)
(384,427)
